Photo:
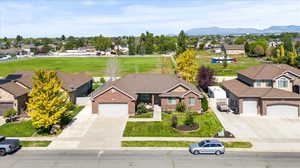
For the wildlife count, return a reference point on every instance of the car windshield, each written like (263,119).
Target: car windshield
(201,143)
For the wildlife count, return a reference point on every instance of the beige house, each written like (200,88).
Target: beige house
(270,90)
(15,88)
(234,49)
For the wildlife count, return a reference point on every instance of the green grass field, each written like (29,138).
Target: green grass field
(243,62)
(35,143)
(94,66)
(209,126)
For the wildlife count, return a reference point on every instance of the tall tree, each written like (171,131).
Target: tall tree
(132,45)
(186,65)
(181,43)
(205,77)
(48,102)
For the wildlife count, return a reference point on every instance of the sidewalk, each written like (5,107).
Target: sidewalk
(156,116)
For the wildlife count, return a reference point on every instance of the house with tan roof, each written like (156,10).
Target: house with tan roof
(233,49)
(15,87)
(121,97)
(270,90)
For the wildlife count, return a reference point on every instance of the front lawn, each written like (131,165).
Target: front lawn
(179,144)
(145,115)
(243,62)
(19,129)
(25,128)
(93,66)
(35,143)
(209,126)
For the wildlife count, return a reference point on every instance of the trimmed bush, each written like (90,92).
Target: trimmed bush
(174,121)
(10,113)
(181,107)
(189,119)
(102,80)
(204,104)
(141,108)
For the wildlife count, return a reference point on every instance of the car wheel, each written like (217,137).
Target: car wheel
(196,152)
(218,153)
(2,152)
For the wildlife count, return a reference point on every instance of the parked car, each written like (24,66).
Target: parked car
(222,107)
(208,147)
(8,145)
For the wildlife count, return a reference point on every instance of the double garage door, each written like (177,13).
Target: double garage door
(113,110)
(283,111)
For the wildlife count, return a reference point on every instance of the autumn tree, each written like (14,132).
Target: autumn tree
(186,65)
(48,102)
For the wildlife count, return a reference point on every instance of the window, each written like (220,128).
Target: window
(206,146)
(171,100)
(282,83)
(191,101)
(268,83)
(213,145)
(258,83)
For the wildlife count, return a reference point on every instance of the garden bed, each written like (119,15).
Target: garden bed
(186,128)
(145,115)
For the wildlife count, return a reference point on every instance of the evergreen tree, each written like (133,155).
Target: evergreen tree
(181,43)
(132,45)
(48,102)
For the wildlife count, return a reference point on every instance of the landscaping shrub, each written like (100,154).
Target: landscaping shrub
(102,80)
(141,108)
(204,104)
(9,114)
(181,107)
(174,121)
(189,119)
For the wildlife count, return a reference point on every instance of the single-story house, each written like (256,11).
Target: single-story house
(121,97)
(233,49)
(14,88)
(270,90)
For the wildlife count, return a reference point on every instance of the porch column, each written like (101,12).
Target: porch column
(152,100)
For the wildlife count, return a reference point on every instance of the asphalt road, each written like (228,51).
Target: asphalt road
(147,159)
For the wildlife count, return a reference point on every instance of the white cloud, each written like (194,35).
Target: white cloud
(157,18)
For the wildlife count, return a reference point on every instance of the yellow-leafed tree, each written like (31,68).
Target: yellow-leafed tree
(187,66)
(48,102)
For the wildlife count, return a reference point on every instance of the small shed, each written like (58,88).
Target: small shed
(216,92)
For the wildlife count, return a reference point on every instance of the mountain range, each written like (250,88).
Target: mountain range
(240,31)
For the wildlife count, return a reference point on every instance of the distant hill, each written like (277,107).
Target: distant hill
(239,31)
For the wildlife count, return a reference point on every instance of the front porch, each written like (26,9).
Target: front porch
(148,99)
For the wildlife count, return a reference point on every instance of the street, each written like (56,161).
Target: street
(146,159)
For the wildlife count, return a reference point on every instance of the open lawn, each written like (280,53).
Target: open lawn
(179,144)
(93,66)
(243,62)
(209,126)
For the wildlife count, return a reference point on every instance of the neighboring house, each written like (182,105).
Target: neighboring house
(233,49)
(266,90)
(10,51)
(14,88)
(122,96)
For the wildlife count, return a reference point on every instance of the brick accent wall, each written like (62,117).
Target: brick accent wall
(197,106)
(113,96)
(166,106)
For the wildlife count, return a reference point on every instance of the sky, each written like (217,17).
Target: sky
(52,18)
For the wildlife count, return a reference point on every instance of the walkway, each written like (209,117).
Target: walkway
(2,120)
(156,116)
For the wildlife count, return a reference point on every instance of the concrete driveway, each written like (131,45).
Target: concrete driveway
(2,120)
(259,128)
(90,131)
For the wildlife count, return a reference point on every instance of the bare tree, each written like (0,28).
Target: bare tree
(113,68)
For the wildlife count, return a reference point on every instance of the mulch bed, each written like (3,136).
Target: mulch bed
(187,128)
(227,134)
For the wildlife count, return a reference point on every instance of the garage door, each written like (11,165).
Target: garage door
(112,110)
(282,111)
(5,106)
(250,107)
